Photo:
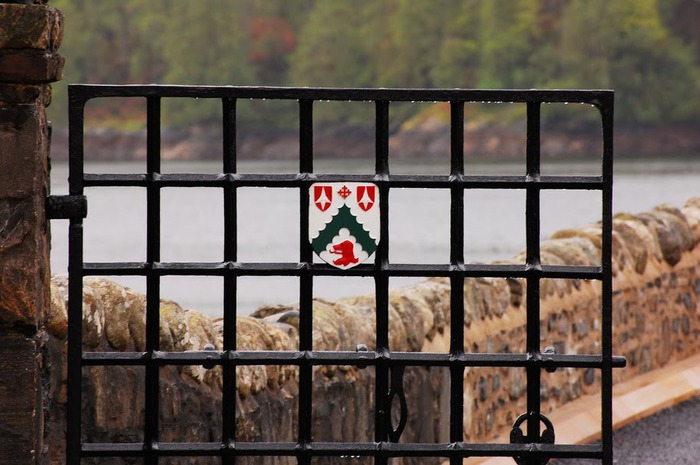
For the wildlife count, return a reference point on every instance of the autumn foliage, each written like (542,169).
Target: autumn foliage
(272,40)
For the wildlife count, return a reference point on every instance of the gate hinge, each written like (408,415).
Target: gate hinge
(66,207)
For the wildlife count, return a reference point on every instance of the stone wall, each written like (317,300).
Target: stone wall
(656,312)
(30,33)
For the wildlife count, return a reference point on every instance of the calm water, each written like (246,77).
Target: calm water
(192,222)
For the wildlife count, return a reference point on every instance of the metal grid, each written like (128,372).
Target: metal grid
(388,364)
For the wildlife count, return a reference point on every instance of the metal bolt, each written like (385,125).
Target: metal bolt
(549,351)
(361,348)
(210,359)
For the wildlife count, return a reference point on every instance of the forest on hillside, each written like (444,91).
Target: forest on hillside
(647,50)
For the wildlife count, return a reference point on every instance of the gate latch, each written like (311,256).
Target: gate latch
(517,436)
(66,207)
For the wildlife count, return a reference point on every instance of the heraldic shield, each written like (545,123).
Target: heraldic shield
(344,222)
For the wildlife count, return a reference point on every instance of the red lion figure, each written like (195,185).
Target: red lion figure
(347,254)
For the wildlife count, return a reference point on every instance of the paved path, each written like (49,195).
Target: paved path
(668,400)
(671,437)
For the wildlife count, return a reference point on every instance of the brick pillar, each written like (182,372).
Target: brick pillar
(30,33)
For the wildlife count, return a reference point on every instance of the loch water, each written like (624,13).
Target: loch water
(268,221)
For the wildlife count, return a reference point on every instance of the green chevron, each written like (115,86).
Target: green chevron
(344,219)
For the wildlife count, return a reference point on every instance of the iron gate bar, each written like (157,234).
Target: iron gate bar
(81,93)
(606,112)
(382,358)
(532,261)
(75,291)
(318,269)
(456,279)
(228,403)
(383,450)
(382,422)
(416,181)
(305,280)
(315,358)
(152,400)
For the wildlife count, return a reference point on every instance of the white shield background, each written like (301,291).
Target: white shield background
(369,219)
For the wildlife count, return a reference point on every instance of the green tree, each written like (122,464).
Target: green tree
(272,39)
(508,33)
(416,32)
(682,17)
(625,46)
(341,45)
(105,42)
(458,53)
(337,45)
(203,43)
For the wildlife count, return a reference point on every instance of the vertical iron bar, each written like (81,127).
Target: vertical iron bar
(305,280)
(457,140)
(229,135)
(152,278)
(456,278)
(532,221)
(306,136)
(381,279)
(75,283)
(228,401)
(607,336)
(381,141)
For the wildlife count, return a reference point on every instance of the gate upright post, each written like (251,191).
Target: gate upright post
(30,33)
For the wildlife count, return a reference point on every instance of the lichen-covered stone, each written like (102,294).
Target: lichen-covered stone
(691,211)
(254,334)
(136,313)
(672,233)
(56,313)
(637,239)
(414,307)
(592,234)
(93,319)
(574,250)
(113,299)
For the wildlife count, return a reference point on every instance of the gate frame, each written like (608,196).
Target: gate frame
(384,446)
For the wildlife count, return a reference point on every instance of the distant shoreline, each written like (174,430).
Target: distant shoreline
(429,140)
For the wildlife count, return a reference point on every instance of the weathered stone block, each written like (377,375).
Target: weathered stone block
(16,215)
(29,66)
(23,241)
(21,289)
(20,401)
(30,25)
(24,94)
(22,165)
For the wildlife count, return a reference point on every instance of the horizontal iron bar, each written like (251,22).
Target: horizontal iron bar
(594,97)
(384,449)
(318,269)
(304,179)
(239,358)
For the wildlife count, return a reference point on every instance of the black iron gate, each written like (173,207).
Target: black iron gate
(528,449)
